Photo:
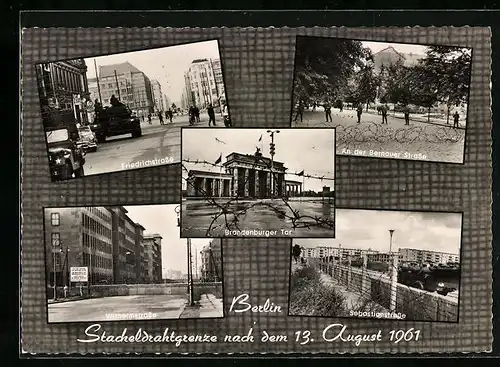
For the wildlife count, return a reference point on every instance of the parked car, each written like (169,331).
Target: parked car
(87,140)
(66,158)
(116,120)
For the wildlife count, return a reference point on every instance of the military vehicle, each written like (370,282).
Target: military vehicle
(66,157)
(115,120)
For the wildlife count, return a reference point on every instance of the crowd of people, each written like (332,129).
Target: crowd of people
(382,110)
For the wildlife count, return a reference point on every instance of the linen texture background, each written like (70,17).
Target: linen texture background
(258,71)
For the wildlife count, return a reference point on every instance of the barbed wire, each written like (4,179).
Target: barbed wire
(306,175)
(366,296)
(232,218)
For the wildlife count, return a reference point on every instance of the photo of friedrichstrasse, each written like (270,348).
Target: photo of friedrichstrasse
(407,271)
(108,263)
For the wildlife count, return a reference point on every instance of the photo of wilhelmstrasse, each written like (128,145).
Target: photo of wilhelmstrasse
(386,100)
(258,182)
(124,111)
(117,263)
(382,265)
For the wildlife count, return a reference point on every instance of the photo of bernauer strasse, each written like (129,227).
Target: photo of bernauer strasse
(112,263)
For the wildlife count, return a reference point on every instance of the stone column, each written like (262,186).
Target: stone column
(257,184)
(204,187)
(283,185)
(191,181)
(235,182)
(247,184)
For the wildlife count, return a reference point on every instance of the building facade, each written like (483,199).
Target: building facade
(152,258)
(211,261)
(243,176)
(127,83)
(103,239)
(63,85)
(204,84)
(158,99)
(426,256)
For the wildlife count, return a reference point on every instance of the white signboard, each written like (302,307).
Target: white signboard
(79,274)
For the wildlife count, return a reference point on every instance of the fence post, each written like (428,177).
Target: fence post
(394,281)
(349,272)
(364,275)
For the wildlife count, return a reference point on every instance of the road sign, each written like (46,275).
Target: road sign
(79,274)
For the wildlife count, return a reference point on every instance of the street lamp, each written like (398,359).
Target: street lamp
(177,210)
(272,152)
(391,232)
(126,265)
(55,273)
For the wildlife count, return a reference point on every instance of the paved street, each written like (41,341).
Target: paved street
(157,142)
(436,141)
(96,309)
(262,215)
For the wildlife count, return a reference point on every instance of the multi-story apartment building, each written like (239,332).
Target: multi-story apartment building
(426,256)
(127,83)
(158,99)
(152,258)
(204,83)
(338,252)
(103,239)
(211,261)
(63,85)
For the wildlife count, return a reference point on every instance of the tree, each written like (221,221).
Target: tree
(367,83)
(448,70)
(296,251)
(323,67)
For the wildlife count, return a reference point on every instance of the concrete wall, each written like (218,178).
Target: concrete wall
(139,289)
(416,304)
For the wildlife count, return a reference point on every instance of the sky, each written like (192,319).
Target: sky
(400,47)
(166,64)
(364,229)
(162,219)
(311,150)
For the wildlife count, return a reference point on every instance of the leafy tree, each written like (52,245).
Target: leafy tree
(296,251)
(323,67)
(367,83)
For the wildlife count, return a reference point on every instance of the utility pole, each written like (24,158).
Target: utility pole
(98,86)
(190,274)
(272,151)
(117,86)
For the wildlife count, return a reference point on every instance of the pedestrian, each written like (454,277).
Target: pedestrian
(456,117)
(197,113)
(406,111)
(328,111)
(359,111)
(299,111)
(314,106)
(192,116)
(149,118)
(341,106)
(211,114)
(160,117)
(170,114)
(384,109)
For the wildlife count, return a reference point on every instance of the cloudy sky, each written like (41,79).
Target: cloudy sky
(311,150)
(162,219)
(366,229)
(166,64)
(400,47)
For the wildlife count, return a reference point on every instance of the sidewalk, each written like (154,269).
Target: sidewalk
(67,299)
(207,307)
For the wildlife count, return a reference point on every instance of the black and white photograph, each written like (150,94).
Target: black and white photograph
(118,263)
(258,183)
(124,111)
(386,100)
(382,265)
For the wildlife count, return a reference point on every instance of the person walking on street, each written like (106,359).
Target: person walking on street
(407,115)
(160,117)
(384,110)
(314,106)
(300,111)
(211,114)
(341,106)
(328,111)
(456,117)
(359,111)
(149,118)
(197,113)
(170,115)
(191,115)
